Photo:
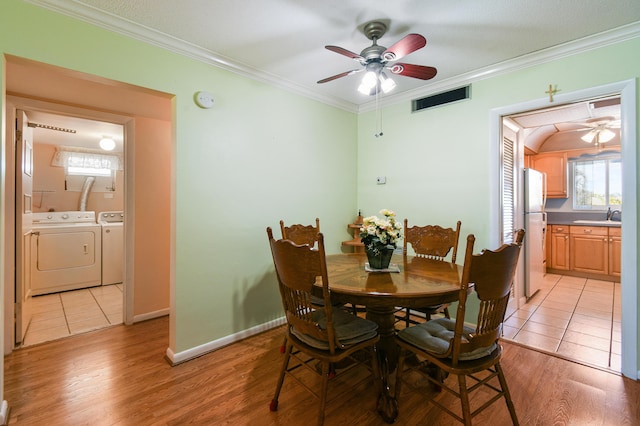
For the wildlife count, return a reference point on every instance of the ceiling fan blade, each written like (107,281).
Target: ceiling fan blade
(345,52)
(342,74)
(408,44)
(415,71)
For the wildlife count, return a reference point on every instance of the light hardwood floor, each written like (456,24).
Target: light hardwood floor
(119,376)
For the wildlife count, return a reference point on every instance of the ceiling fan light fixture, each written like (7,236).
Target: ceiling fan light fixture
(386,84)
(369,82)
(605,135)
(588,138)
(600,135)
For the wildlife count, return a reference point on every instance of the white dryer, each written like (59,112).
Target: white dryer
(66,251)
(112,224)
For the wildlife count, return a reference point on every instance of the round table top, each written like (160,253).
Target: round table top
(420,282)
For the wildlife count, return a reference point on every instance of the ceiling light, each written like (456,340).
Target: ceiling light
(107,143)
(600,134)
(369,81)
(386,84)
(605,135)
(589,136)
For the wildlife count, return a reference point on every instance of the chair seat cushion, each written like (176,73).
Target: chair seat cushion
(434,337)
(319,301)
(349,329)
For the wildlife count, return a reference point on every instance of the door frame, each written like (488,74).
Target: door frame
(629,277)
(14,103)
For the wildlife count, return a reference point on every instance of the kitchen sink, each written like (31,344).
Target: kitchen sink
(598,222)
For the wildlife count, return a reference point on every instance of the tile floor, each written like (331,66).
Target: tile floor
(67,313)
(576,318)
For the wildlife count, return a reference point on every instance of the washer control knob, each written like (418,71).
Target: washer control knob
(65,216)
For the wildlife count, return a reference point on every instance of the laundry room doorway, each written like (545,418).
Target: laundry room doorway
(70,177)
(146,119)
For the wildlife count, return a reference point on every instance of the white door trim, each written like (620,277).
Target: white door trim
(629,136)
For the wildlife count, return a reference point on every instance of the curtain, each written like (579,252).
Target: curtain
(74,157)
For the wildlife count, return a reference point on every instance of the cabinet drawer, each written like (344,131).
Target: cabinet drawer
(615,232)
(589,230)
(559,229)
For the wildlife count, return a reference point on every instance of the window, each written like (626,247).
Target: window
(597,183)
(80,163)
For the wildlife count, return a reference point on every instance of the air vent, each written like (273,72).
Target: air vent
(441,98)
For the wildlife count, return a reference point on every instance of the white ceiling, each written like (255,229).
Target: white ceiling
(77,131)
(282,41)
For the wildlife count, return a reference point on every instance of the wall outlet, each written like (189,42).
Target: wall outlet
(381,180)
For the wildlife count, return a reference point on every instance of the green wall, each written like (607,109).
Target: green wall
(437,161)
(261,154)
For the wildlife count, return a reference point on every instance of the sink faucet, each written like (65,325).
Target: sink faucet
(610,213)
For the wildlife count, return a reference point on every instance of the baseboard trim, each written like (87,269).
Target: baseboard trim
(4,412)
(176,358)
(151,315)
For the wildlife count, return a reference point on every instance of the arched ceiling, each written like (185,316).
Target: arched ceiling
(561,128)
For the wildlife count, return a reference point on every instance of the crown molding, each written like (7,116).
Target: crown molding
(148,35)
(550,54)
(139,32)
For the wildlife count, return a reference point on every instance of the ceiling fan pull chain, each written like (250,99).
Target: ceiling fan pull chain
(378,117)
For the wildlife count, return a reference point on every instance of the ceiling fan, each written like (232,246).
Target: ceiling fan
(598,129)
(375,59)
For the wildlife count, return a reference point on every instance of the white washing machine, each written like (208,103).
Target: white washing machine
(66,251)
(112,224)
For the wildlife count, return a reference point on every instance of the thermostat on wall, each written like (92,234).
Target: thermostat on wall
(203,99)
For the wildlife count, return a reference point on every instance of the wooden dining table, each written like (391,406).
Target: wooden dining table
(420,282)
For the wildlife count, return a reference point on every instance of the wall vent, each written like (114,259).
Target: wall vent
(440,99)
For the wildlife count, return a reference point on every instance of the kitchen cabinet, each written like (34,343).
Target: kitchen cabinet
(559,247)
(589,249)
(615,251)
(584,250)
(554,164)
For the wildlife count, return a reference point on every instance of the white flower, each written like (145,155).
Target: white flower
(385,231)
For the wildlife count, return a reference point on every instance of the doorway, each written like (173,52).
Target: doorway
(627,92)
(53,305)
(74,290)
(576,317)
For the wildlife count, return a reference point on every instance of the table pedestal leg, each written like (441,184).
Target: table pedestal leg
(387,352)
(387,347)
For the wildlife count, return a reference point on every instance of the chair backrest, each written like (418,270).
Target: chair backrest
(301,234)
(298,267)
(432,241)
(490,274)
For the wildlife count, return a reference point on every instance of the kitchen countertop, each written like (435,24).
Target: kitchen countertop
(568,218)
(608,224)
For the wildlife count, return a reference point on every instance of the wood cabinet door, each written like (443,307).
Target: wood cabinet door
(615,251)
(555,166)
(589,253)
(559,251)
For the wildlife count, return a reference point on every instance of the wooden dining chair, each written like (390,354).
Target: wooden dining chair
(432,242)
(451,347)
(301,234)
(314,332)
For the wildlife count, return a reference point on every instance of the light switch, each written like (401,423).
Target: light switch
(381,180)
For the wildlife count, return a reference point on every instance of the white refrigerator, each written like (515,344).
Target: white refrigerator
(535,226)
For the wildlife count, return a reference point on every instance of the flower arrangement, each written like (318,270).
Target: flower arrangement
(376,232)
